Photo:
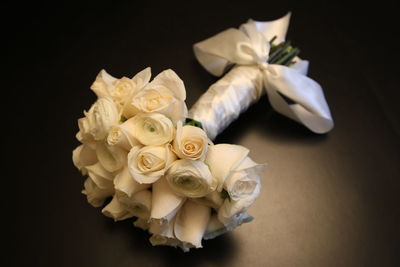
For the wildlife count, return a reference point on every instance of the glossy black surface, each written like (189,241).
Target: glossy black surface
(327,200)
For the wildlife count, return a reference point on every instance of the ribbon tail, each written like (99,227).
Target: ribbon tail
(309,106)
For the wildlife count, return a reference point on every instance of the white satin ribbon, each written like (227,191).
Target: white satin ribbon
(247,49)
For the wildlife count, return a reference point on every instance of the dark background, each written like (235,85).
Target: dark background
(327,200)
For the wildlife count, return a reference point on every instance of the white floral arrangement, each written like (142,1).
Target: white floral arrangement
(146,160)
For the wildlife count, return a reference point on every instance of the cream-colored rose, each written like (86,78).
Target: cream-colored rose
(239,176)
(213,200)
(122,136)
(160,240)
(142,223)
(82,156)
(138,204)
(112,158)
(165,94)
(84,135)
(125,185)
(100,176)
(116,210)
(149,163)
(103,115)
(120,90)
(152,129)
(165,203)
(191,223)
(190,142)
(103,84)
(190,178)
(226,159)
(96,195)
(163,233)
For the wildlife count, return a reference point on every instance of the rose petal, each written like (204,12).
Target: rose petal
(214,228)
(195,136)
(231,209)
(125,183)
(100,176)
(164,228)
(177,112)
(160,156)
(116,210)
(112,158)
(171,80)
(128,130)
(101,84)
(83,156)
(139,204)
(142,78)
(224,158)
(95,195)
(241,184)
(165,203)
(248,164)
(212,200)
(191,223)
(191,178)
(141,223)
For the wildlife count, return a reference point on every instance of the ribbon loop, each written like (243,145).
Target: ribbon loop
(249,46)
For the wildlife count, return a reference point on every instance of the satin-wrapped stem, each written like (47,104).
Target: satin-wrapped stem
(225,100)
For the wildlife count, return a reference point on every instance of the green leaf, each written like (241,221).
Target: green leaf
(123,119)
(194,123)
(225,195)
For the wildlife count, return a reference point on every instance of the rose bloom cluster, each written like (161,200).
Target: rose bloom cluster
(137,151)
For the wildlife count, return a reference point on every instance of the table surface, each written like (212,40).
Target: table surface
(327,200)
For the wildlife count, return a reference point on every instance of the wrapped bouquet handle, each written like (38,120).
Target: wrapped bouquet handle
(247,49)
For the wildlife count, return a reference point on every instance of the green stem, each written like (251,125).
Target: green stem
(275,55)
(288,57)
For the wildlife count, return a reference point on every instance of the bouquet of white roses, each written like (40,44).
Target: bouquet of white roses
(140,149)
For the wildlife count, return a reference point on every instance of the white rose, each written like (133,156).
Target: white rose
(165,203)
(190,178)
(122,135)
(165,94)
(103,115)
(163,233)
(124,184)
(84,135)
(116,210)
(82,156)
(112,158)
(152,129)
(224,159)
(138,204)
(141,223)
(103,84)
(190,142)
(161,240)
(239,176)
(242,182)
(96,195)
(99,185)
(149,163)
(213,200)
(191,223)
(100,176)
(120,90)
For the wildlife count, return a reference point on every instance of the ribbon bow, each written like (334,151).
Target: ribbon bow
(249,46)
